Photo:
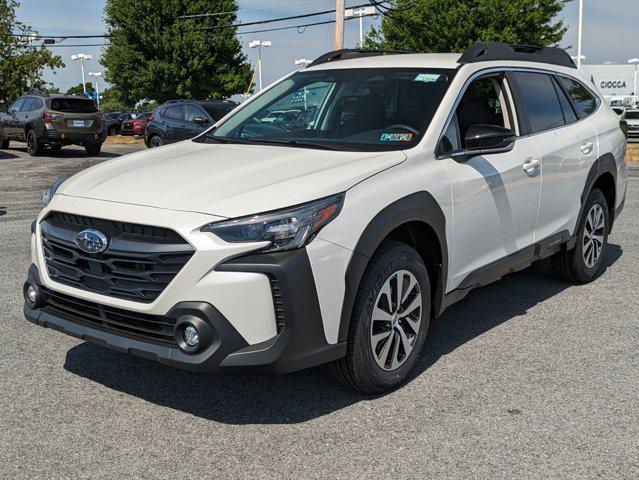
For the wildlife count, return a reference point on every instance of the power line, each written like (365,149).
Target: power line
(239,11)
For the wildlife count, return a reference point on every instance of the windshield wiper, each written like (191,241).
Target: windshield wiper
(291,143)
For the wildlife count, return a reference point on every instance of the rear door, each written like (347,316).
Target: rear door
(495,196)
(567,147)
(173,123)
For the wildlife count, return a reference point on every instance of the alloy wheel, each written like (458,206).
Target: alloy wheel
(396,320)
(156,142)
(31,142)
(593,239)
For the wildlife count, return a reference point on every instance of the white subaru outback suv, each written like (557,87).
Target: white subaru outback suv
(384,189)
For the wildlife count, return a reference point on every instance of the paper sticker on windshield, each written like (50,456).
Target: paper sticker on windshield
(396,137)
(427,77)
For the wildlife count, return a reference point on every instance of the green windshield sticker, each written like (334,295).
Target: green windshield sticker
(427,77)
(396,137)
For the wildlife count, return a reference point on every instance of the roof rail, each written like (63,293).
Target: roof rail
(348,53)
(489,51)
(37,92)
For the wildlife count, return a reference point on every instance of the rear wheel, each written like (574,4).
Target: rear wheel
(155,141)
(93,149)
(389,321)
(33,147)
(583,262)
(4,142)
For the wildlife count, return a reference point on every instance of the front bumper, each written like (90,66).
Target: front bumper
(300,344)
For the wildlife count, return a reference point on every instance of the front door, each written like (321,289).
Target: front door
(495,196)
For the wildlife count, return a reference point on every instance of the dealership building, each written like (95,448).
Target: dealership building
(614,81)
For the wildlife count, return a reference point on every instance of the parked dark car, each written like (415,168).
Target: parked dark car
(52,121)
(137,125)
(178,120)
(115,119)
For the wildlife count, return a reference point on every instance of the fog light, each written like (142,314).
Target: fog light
(32,294)
(191,336)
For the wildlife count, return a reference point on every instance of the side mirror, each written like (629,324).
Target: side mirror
(200,120)
(485,139)
(624,127)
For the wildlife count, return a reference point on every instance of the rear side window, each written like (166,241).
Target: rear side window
(26,106)
(585,102)
(175,113)
(569,113)
(73,105)
(540,101)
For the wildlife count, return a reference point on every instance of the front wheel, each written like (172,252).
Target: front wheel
(112,132)
(155,141)
(389,321)
(583,262)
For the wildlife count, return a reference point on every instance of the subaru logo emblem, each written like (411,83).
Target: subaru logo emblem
(91,241)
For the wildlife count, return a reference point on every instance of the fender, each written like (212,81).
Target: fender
(419,206)
(605,163)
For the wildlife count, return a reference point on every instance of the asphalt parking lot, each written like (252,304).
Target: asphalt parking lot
(526,378)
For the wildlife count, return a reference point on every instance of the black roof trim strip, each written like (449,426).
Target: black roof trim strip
(348,53)
(490,51)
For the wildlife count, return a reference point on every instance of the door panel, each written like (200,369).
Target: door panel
(495,205)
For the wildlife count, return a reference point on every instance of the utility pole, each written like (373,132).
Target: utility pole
(339,25)
(580,29)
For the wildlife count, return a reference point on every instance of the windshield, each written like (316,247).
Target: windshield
(356,109)
(632,115)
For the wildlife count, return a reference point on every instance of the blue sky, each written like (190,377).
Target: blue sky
(610,31)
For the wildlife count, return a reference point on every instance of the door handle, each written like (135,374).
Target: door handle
(531,164)
(586,148)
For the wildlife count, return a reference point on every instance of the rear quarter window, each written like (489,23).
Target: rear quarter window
(73,105)
(585,103)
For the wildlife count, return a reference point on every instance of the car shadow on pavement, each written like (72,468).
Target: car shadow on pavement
(302,396)
(66,153)
(4,155)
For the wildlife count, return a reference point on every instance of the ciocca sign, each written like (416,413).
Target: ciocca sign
(612,84)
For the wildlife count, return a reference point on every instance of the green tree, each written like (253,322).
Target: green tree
(111,101)
(79,90)
(154,53)
(21,63)
(453,25)
(147,106)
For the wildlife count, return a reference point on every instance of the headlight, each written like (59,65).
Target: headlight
(285,229)
(49,192)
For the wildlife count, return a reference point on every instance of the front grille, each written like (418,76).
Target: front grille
(138,264)
(277,303)
(141,326)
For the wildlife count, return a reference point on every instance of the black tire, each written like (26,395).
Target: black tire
(359,369)
(4,142)
(572,265)
(34,148)
(93,149)
(155,141)
(113,131)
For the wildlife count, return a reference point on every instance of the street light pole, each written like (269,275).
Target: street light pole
(339,25)
(304,62)
(579,33)
(82,57)
(634,61)
(361,13)
(97,76)
(259,44)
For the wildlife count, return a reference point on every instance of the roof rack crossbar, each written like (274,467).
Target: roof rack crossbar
(490,51)
(348,53)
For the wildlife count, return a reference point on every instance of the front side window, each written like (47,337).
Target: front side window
(585,102)
(26,106)
(17,105)
(540,100)
(192,112)
(343,109)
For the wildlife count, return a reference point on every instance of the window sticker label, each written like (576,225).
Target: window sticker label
(396,137)
(427,77)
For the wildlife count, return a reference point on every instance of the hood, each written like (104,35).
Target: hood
(226,180)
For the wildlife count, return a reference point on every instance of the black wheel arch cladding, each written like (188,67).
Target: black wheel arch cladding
(417,207)
(604,165)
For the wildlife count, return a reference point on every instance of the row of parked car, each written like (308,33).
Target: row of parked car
(49,122)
